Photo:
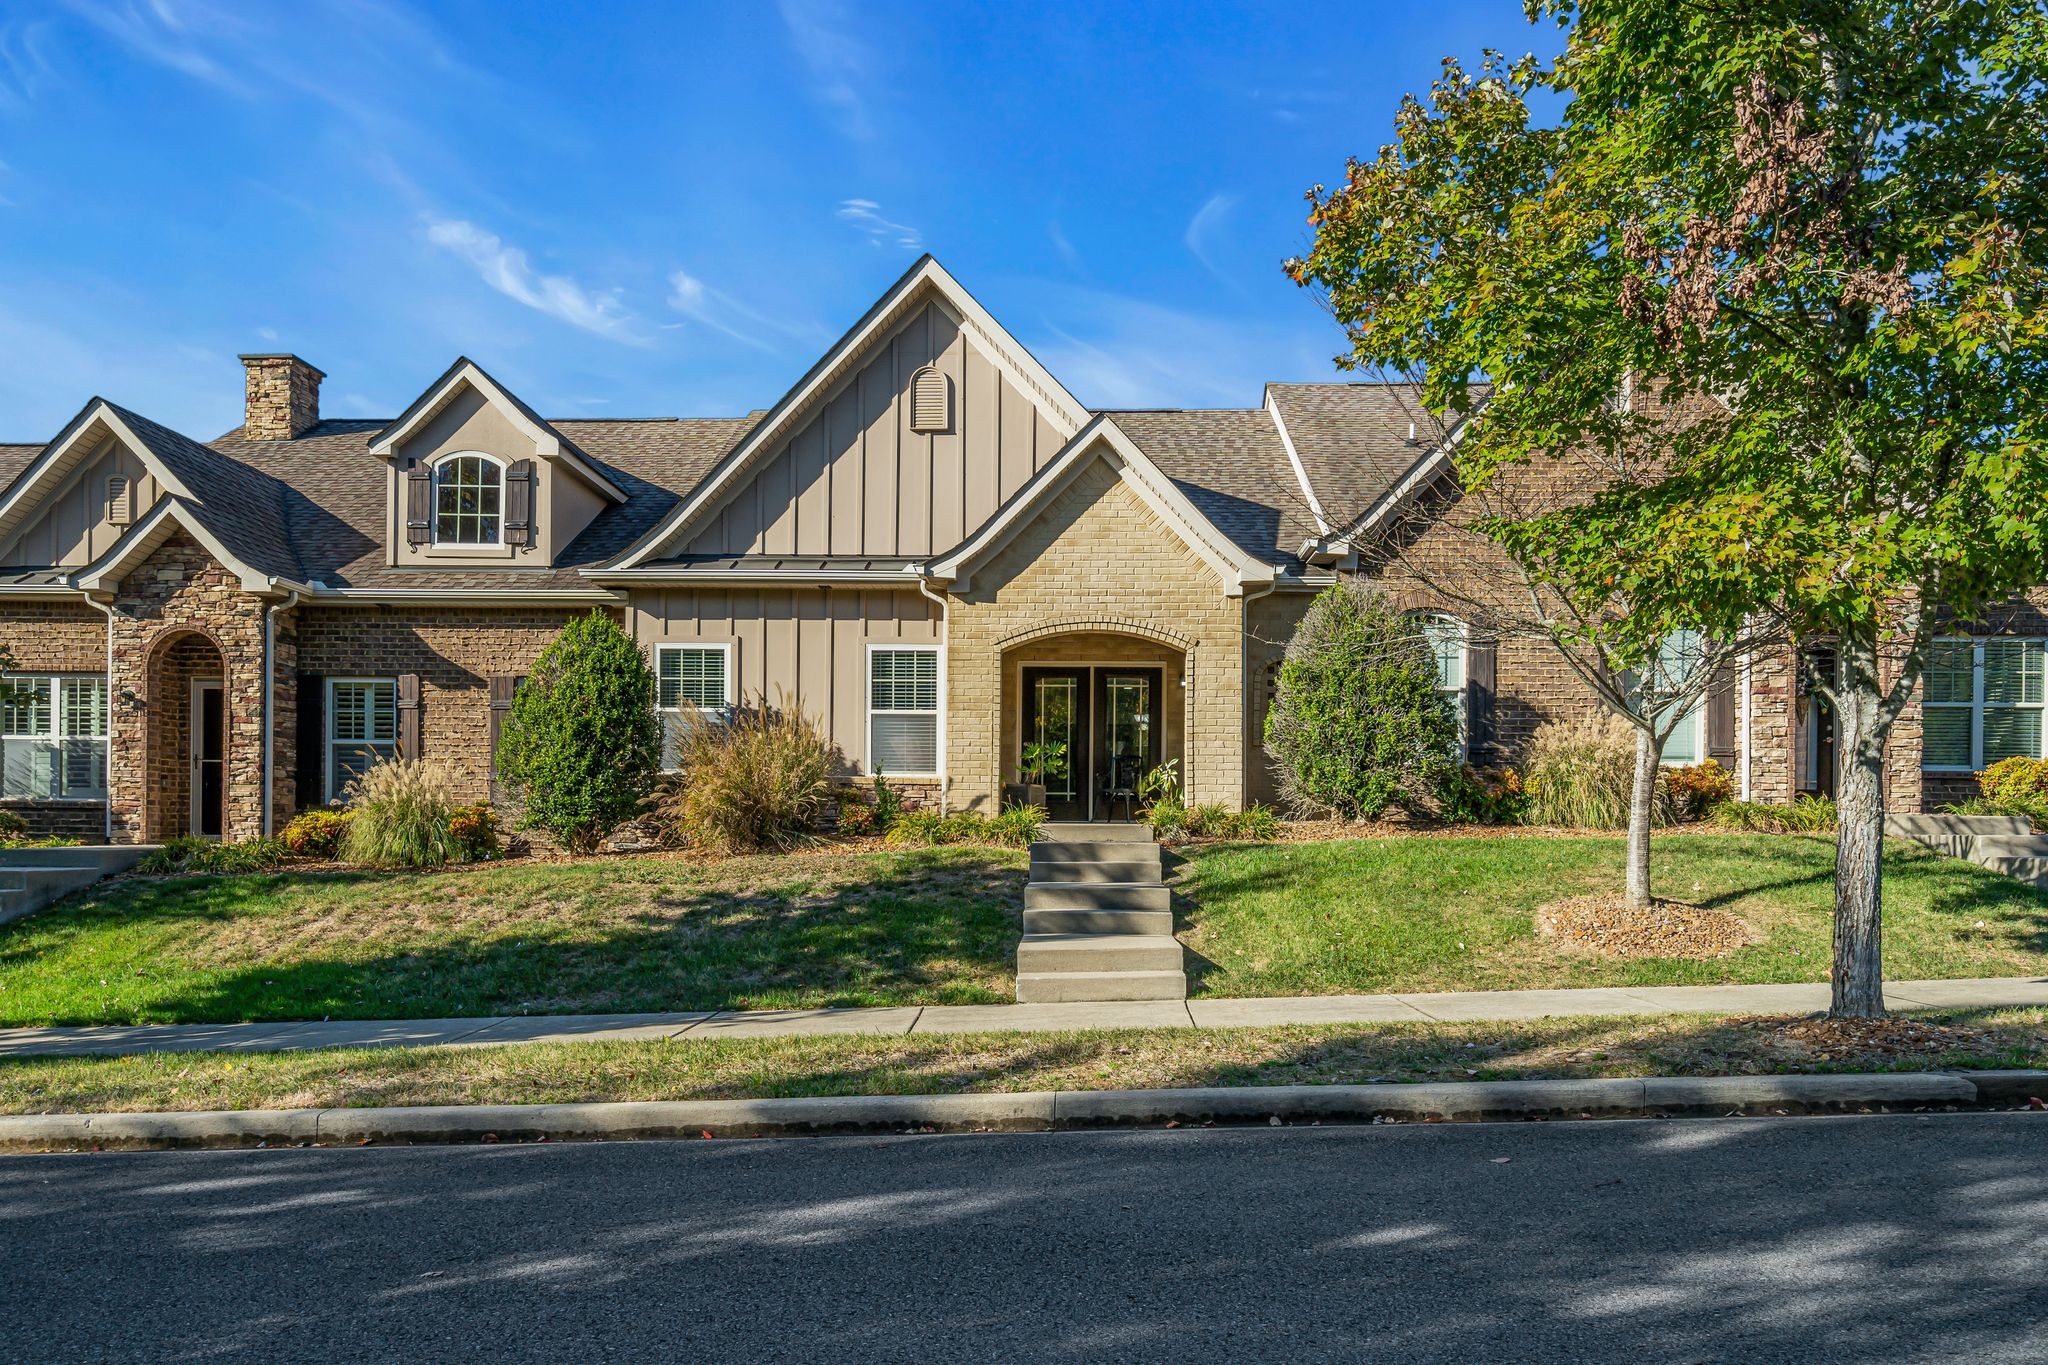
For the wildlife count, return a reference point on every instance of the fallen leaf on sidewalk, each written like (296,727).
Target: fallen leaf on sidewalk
(1500,1160)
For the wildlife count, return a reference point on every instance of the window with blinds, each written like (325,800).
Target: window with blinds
(692,675)
(1982,702)
(53,737)
(903,712)
(362,728)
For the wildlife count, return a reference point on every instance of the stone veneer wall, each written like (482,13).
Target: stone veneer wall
(57,637)
(176,593)
(1096,560)
(454,649)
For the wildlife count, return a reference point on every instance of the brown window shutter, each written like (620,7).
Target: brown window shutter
(1482,668)
(311,786)
(1721,716)
(519,504)
(408,715)
(419,507)
(503,685)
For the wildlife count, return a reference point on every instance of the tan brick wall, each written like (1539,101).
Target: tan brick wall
(1095,562)
(1273,619)
(57,637)
(455,650)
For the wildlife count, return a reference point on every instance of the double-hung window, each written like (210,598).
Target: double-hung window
(362,728)
(1445,638)
(53,737)
(693,675)
(1983,702)
(903,711)
(1679,659)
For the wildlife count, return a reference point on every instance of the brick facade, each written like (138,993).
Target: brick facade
(57,637)
(1095,563)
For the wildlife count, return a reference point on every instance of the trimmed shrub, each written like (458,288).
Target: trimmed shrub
(319,834)
(2021,781)
(762,779)
(1806,815)
(856,816)
(582,745)
(1699,788)
(400,812)
(1357,724)
(1581,774)
(1486,796)
(473,830)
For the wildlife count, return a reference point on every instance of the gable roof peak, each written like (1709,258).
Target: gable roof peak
(548,442)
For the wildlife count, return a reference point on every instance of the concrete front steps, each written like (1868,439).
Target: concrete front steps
(2003,843)
(31,878)
(1098,919)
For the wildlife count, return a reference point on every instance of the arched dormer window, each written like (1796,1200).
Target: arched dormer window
(1448,643)
(469,500)
(930,405)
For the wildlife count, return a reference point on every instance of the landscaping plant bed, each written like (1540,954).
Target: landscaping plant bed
(682,1069)
(1605,923)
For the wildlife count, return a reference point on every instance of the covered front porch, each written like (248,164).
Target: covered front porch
(1088,714)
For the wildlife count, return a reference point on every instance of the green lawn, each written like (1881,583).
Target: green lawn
(567,1073)
(1456,914)
(615,935)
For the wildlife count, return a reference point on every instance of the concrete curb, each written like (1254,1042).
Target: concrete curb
(1031,1111)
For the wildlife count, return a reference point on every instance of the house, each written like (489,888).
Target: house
(928,542)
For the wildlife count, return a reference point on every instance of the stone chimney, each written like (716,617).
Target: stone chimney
(284,397)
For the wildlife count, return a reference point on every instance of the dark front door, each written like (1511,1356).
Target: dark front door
(1056,713)
(1127,705)
(209,760)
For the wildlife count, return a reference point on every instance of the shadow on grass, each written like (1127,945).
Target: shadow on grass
(913,928)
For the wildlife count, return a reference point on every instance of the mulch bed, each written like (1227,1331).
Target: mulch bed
(1858,1040)
(1602,924)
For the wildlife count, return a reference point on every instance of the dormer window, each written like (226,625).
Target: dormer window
(469,501)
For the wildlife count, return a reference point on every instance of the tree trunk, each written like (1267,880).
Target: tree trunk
(1642,810)
(1859,850)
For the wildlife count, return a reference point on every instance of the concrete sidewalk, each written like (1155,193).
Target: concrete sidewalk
(1464,1006)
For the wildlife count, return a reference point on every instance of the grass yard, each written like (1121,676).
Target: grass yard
(564,1073)
(1456,913)
(933,926)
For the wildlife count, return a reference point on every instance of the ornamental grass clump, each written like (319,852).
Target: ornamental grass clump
(760,778)
(401,810)
(1581,774)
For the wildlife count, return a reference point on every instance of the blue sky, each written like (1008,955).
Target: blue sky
(669,209)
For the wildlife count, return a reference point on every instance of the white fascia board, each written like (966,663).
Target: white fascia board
(1102,438)
(168,515)
(1420,473)
(1315,504)
(823,377)
(54,462)
(545,444)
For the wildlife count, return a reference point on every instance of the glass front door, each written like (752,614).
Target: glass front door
(1129,740)
(1056,721)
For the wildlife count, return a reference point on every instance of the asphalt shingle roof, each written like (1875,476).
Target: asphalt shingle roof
(1353,440)
(1231,465)
(13,459)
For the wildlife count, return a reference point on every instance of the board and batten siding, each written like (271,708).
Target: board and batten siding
(857,480)
(73,528)
(805,647)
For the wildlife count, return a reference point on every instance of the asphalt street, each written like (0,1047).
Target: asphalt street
(1903,1238)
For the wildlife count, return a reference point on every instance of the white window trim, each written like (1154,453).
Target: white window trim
(60,683)
(434,509)
(1977,705)
(867,683)
(1462,700)
(724,647)
(335,789)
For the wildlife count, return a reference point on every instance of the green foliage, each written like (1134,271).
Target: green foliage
(1255,823)
(192,856)
(1806,815)
(1206,820)
(1044,761)
(473,830)
(46,841)
(856,815)
(1582,775)
(582,743)
(2015,779)
(1015,827)
(1357,723)
(888,804)
(1697,789)
(1486,796)
(319,834)
(758,779)
(2033,810)
(400,813)
(13,825)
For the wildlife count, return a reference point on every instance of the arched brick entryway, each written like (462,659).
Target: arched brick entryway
(188,737)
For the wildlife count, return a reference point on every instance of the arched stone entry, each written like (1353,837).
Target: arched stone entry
(188,737)
(1115,696)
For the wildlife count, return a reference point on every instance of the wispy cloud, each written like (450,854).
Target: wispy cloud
(1063,246)
(726,315)
(25,67)
(866,215)
(173,33)
(506,269)
(842,65)
(1200,237)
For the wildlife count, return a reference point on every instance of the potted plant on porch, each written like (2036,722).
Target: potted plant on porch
(1043,761)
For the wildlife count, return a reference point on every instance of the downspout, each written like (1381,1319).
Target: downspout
(1244,687)
(945,702)
(1748,727)
(270,698)
(108,608)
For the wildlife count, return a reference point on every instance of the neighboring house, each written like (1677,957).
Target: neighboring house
(927,542)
